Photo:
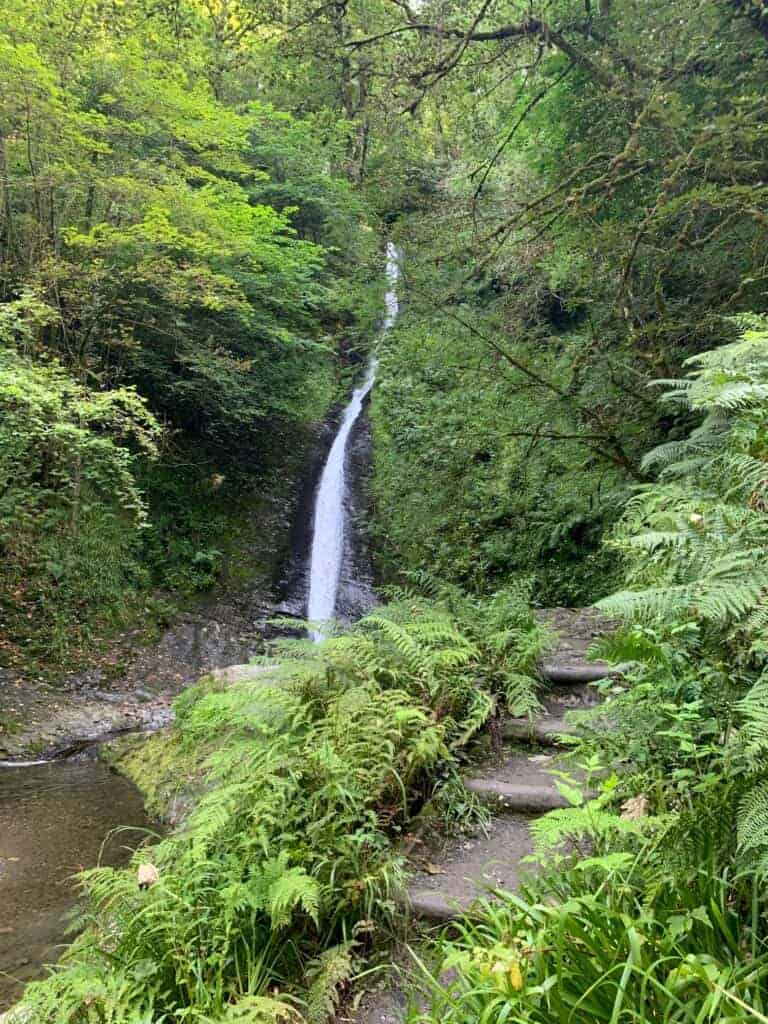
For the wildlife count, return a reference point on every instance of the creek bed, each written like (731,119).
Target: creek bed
(55,820)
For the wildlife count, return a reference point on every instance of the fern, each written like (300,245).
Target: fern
(519,696)
(291,889)
(696,543)
(753,708)
(591,821)
(753,821)
(452,652)
(632,646)
(327,975)
(258,1010)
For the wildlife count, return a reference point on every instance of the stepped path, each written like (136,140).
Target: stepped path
(516,787)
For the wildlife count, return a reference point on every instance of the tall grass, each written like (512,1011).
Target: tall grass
(586,947)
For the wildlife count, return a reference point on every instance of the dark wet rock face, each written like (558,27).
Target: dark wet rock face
(292,584)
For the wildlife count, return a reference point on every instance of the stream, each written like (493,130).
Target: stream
(59,817)
(55,819)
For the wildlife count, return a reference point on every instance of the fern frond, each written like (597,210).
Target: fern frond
(327,974)
(665,454)
(520,695)
(260,1010)
(630,646)
(753,709)
(590,821)
(291,889)
(753,819)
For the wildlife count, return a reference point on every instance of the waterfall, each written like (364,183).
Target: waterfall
(330,503)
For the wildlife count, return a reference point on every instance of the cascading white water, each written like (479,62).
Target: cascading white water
(330,511)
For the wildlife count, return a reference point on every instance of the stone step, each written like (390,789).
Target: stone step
(448,884)
(516,796)
(575,672)
(521,783)
(544,731)
(468,869)
(575,629)
(557,699)
(433,907)
(551,723)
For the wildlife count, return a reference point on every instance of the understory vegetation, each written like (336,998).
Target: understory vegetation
(652,904)
(586,214)
(307,772)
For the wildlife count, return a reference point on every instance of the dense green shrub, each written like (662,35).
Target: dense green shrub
(462,486)
(692,724)
(71,513)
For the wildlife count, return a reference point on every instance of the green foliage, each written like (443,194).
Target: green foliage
(593,179)
(508,636)
(327,975)
(689,726)
(586,946)
(695,542)
(462,486)
(284,854)
(651,906)
(164,267)
(174,249)
(456,652)
(307,771)
(182,240)
(589,825)
(71,515)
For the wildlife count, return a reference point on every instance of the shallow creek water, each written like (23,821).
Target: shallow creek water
(55,819)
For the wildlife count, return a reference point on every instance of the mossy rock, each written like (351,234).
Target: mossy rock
(168,773)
